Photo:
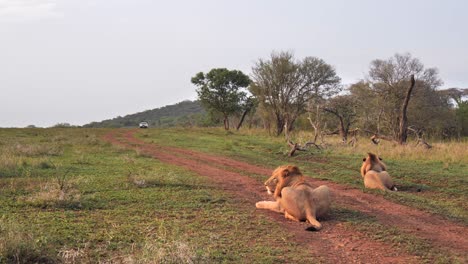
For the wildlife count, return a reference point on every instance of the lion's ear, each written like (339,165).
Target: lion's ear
(295,170)
(285,173)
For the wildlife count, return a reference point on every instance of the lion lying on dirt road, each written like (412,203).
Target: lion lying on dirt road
(295,198)
(375,175)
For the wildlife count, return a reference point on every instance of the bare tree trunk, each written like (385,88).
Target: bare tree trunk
(403,134)
(226,123)
(316,127)
(267,124)
(242,119)
(286,129)
(291,125)
(316,124)
(323,134)
(279,125)
(378,120)
(342,130)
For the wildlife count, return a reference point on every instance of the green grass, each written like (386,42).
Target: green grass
(358,221)
(441,176)
(67,196)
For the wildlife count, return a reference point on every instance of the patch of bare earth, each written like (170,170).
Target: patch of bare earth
(334,243)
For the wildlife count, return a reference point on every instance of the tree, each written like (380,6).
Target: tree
(393,80)
(462,117)
(219,91)
(456,118)
(284,85)
(343,108)
(455,94)
(62,125)
(403,132)
(368,106)
(247,106)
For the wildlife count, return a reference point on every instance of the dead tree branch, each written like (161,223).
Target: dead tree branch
(420,137)
(375,137)
(297,147)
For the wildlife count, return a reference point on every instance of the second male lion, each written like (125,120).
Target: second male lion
(375,175)
(295,198)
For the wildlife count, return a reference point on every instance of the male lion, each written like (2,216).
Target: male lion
(295,198)
(375,174)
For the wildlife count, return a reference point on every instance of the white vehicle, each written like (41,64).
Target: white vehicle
(143,124)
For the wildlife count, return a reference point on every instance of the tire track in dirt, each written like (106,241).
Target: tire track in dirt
(334,243)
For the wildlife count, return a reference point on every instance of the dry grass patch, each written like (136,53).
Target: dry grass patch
(19,246)
(72,256)
(153,251)
(60,191)
(10,165)
(37,150)
(449,152)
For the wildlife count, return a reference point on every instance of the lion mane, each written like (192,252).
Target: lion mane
(375,175)
(298,200)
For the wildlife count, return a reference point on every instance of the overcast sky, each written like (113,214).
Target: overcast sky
(78,61)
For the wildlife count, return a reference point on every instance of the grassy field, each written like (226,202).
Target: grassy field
(67,196)
(441,173)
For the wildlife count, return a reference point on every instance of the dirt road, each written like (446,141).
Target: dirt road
(334,243)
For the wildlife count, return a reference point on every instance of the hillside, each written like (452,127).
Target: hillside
(183,113)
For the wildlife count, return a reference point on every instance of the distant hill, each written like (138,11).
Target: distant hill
(181,114)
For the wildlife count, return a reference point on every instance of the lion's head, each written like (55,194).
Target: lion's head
(286,175)
(372,162)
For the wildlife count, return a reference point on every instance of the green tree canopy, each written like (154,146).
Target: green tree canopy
(343,108)
(389,81)
(379,99)
(220,91)
(284,85)
(462,117)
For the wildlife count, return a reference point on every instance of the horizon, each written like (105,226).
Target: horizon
(79,62)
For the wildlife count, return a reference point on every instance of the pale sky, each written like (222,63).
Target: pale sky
(79,61)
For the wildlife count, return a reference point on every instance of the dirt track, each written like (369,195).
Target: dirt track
(334,243)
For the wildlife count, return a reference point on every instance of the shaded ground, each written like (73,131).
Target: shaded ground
(334,243)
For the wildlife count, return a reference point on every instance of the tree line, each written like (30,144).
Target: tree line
(399,96)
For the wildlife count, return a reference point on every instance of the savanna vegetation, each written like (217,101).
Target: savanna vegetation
(399,98)
(433,180)
(68,196)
